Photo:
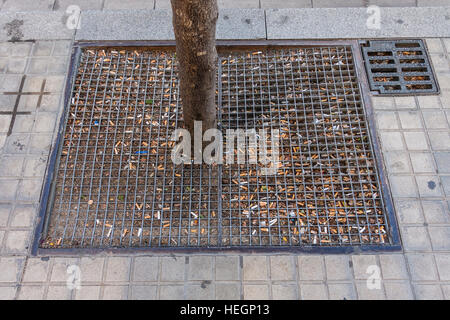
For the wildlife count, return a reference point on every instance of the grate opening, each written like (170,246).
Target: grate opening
(398,67)
(115,185)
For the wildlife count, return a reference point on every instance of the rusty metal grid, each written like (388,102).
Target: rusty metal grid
(114,185)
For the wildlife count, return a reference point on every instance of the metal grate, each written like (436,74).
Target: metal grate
(115,185)
(399,67)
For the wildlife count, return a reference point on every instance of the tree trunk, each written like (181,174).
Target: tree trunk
(194,23)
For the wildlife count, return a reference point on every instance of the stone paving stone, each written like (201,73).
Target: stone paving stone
(83,4)
(435,119)
(397,161)
(91,269)
(256,292)
(443,161)
(87,293)
(410,120)
(429,102)
(391,141)
(7,293)
(115,292)
(405,102)
(429,186)
(201,268)
(274,4)
(4,123)
(2,236)
(284,292)
(337,4)
(35,167)
(445,180)
(445,99)
(428,292)
(146,269)
(439,61)
(383,103)
(282,268)
(51,103)
(338,267)
(163,4)
(403,186)
(59,293)
(172,269)
(11,268)
(143,292)
(445,290)
(31,293)
(393,267)
(11,166)
(241,24)
(422,162)
(204,291)
(228,291)
(387,120)
(431,3)
(341,291)
(43,48)
(443,265)
(171,292)
(40,143)
(118,269)
(10,83)
(396,3)
(60,267)
(16,65)
(408,211)
(8,189)
(313,291)
(422,267)
(130,4)
(29,190)
(227,268)
(443,80)
(23,123)
(436,212)
(58,65)
(36,270)
(440,237)
(446,41)
(17,241)
(238,4)
(27,5)
(434,45)
(415,238)
(361,264)
(306,271)
(5,211)
(415,141)
(364,293)
(255,268)
(38,65)
(62,47)
(398,290)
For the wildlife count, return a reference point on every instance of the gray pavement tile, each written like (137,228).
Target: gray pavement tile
(17,241)
(403,186)
(28,5)
(16,65)
(40,143)
(282,268)
(7,292)
(435,119)
(8,189)
(308,273)
(10,83)
(91,269)
(117,269)
(227,268)
(442,161)
(228,291)
(143,292)
(31,292)
(60,269)
(429,102)
(429,186)
(443,79)
(5,211)
(422,267)
(415,238)
(445,99)
(431,3)
(43,48)
(396,3)
(313,291)
(445,180)
(436,212)
(443,265)
(338,268)
(171,292)
(87,293)
(337,4)
(397,161)
(256,292)
(393,267)
(362,266)
(274,4)
(284,292)
(405,103)
(428,291)
(383,103)
(60,292)
(129,4)
(63,5)
(422,162)
(38,65)
(45,122)
(201,268)
(146,269)
(11,268)
(172,269)
(162,4)
(115,292)
(440,237)
(342,291)
(387,120)
(391,141)
(416,141)
(11,166)
(5,120)
(238,4)
(51,103)
(29,189)
(62,48)
(445,290)
(255,268)
(351,23)
(410,119)
(35,166)
(23,123)
(434,45)
(204,291)
(440,63)
(398,290)
(23,216)
(366,293)
(21,49)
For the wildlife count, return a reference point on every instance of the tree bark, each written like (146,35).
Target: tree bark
(194,23)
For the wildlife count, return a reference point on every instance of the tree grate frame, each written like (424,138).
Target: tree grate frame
(399,67)
(114,185)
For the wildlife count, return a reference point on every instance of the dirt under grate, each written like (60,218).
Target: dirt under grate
(115,184)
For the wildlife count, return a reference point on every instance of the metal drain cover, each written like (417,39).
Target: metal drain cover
(113,184)
(399,67)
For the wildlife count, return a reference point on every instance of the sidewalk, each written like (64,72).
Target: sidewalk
(414,133)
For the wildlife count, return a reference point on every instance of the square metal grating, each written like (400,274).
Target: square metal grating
(114,185)
(399,67)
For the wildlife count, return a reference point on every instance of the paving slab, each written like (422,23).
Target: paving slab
(347,23)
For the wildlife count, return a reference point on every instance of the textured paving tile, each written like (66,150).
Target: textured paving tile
(88,293)
(228,291)
(422,267)
(204,291)
(227,268)
(342,291)
(311,268)
(313,291)
(201,268)
(338,267)
(143,292)
(115,292)
(428,292)
(366,293)
(171,292)
(361,265)
(393,267)
(146,269)
(398,290)
(36,270)
(118,269)
(282,268)
(172,269)
(256,292)
(31,293)
(255,268)
(409,211)
(284,292)
(58,293)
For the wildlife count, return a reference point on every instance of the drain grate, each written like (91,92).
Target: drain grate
(398,67)
(114,184)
